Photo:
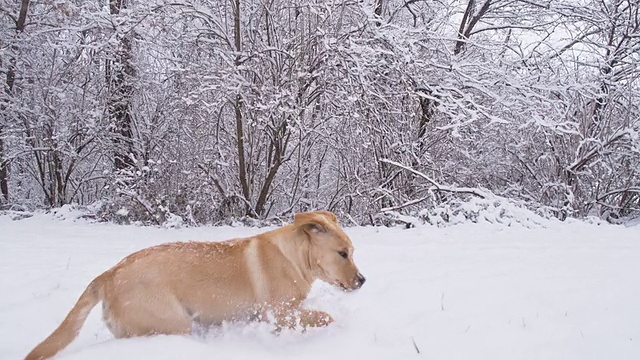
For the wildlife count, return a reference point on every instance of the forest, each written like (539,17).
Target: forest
(203,111)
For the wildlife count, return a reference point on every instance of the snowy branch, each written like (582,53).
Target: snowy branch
(436,186)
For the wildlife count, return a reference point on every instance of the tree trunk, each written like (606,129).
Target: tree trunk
(468,23)
(427,113)
(378,11)
(120,72)
(8,90)
(4,166)
(237,106)
(275,159)
(242,171)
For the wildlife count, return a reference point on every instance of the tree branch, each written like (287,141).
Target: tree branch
(436,186)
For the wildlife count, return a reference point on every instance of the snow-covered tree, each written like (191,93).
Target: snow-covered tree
(217,110)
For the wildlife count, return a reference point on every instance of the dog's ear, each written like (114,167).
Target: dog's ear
(311,222)
(331,216)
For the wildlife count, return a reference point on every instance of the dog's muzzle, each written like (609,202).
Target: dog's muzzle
(354,284)
(360,279)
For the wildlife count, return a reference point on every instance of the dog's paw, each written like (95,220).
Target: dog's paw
(313,318)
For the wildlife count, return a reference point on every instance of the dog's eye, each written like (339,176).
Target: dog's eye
(343,253)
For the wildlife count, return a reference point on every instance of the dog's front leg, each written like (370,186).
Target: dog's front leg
(293,317)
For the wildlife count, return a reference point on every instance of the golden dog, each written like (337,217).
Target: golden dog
(166,288)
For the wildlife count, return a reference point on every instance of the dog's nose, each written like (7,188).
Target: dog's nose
(361,279)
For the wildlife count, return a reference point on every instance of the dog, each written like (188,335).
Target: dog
(166,289)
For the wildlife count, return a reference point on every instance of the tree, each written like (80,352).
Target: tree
(120,74)
(5,105)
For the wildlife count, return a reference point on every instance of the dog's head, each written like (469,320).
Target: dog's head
(330,250)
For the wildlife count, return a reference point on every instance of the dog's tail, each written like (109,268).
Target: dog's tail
(70,327)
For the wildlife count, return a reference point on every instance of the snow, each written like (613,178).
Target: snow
(122,212)
(471,291)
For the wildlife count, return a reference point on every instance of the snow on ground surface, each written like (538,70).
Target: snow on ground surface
(477,291)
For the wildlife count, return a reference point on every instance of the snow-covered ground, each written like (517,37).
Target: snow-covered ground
(477,291)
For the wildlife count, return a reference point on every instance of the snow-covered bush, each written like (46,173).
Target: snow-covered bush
(472,209)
